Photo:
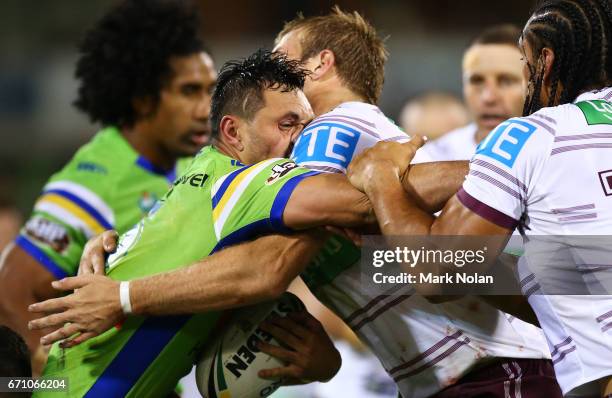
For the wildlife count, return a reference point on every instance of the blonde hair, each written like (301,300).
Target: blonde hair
(360,55)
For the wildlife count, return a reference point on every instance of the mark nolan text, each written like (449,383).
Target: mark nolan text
(459,277)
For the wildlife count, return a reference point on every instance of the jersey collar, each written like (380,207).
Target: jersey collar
(146,164)
(604,94)
(359,105)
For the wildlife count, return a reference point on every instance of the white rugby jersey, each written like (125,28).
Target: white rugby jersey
(424,347)
(458,144)
(332,140)
(551,172)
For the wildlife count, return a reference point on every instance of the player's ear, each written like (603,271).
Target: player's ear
(547,56)
(326,60)
(229,131)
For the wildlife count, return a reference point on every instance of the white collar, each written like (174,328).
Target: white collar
(604,93)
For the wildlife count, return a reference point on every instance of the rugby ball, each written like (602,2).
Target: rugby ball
(229,366)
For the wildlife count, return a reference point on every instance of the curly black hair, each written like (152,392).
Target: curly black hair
(579,32)
(126,56)
(240,84)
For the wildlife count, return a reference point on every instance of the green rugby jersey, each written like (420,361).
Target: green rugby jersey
(216,203)
(106,184)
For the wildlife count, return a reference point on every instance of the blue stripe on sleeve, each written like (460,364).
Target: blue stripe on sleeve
(41,257)
(83,205)
(280,202)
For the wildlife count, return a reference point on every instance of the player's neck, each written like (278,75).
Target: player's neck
(326,100)
(147,148)
(226,149)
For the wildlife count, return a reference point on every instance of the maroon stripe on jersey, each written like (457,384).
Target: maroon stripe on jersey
(532,290)
(544,117)
(579,217)
(326,169)
(606,327)
(368,123)
(573,208)
(604,316)
(562,149)
(578,137)
(485,211)
(563,354)
(426,353)
(398,138)
(379,311)
(371,304)
(557,347)
(497,183)
(357,126)
(527,279)
(542,124)
(434,361)
(501,172)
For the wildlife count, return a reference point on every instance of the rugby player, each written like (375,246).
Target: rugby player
(150,90)
(222,202)
(426,343)
(493,90)
(547,172)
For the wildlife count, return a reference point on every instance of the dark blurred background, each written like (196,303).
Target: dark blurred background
(39,129)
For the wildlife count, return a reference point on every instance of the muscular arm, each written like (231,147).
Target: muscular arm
(237,276)
(23,281)
(399,214)
(329,199)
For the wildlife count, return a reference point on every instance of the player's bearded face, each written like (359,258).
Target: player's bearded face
(181,121)
(273,129)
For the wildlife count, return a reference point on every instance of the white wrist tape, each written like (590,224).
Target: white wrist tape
(124,298)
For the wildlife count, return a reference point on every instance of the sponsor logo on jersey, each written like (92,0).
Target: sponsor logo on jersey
(49,233)
(596,111)
(326,142)
(195,180)
(279,170)
(91,167)
(147,201)
(605,177)
(507,140)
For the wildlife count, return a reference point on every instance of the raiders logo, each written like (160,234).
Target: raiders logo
(279,170)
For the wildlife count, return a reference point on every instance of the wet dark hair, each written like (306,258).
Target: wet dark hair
(241,83)
(579,33)
(126,56)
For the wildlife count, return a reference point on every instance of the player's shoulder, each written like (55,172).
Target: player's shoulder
(380,124)
(518,142)
(98,163)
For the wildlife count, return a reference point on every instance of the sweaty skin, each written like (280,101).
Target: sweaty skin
(274,260)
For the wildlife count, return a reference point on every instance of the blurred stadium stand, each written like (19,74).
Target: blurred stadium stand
(39,129)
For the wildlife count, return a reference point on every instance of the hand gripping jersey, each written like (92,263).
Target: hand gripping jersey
(106,185)
(216,203)
(551,173)
(424,347)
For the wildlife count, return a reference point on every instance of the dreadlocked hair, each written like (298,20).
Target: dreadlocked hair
(579,32)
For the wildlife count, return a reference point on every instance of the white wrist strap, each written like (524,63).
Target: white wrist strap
(124,298)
